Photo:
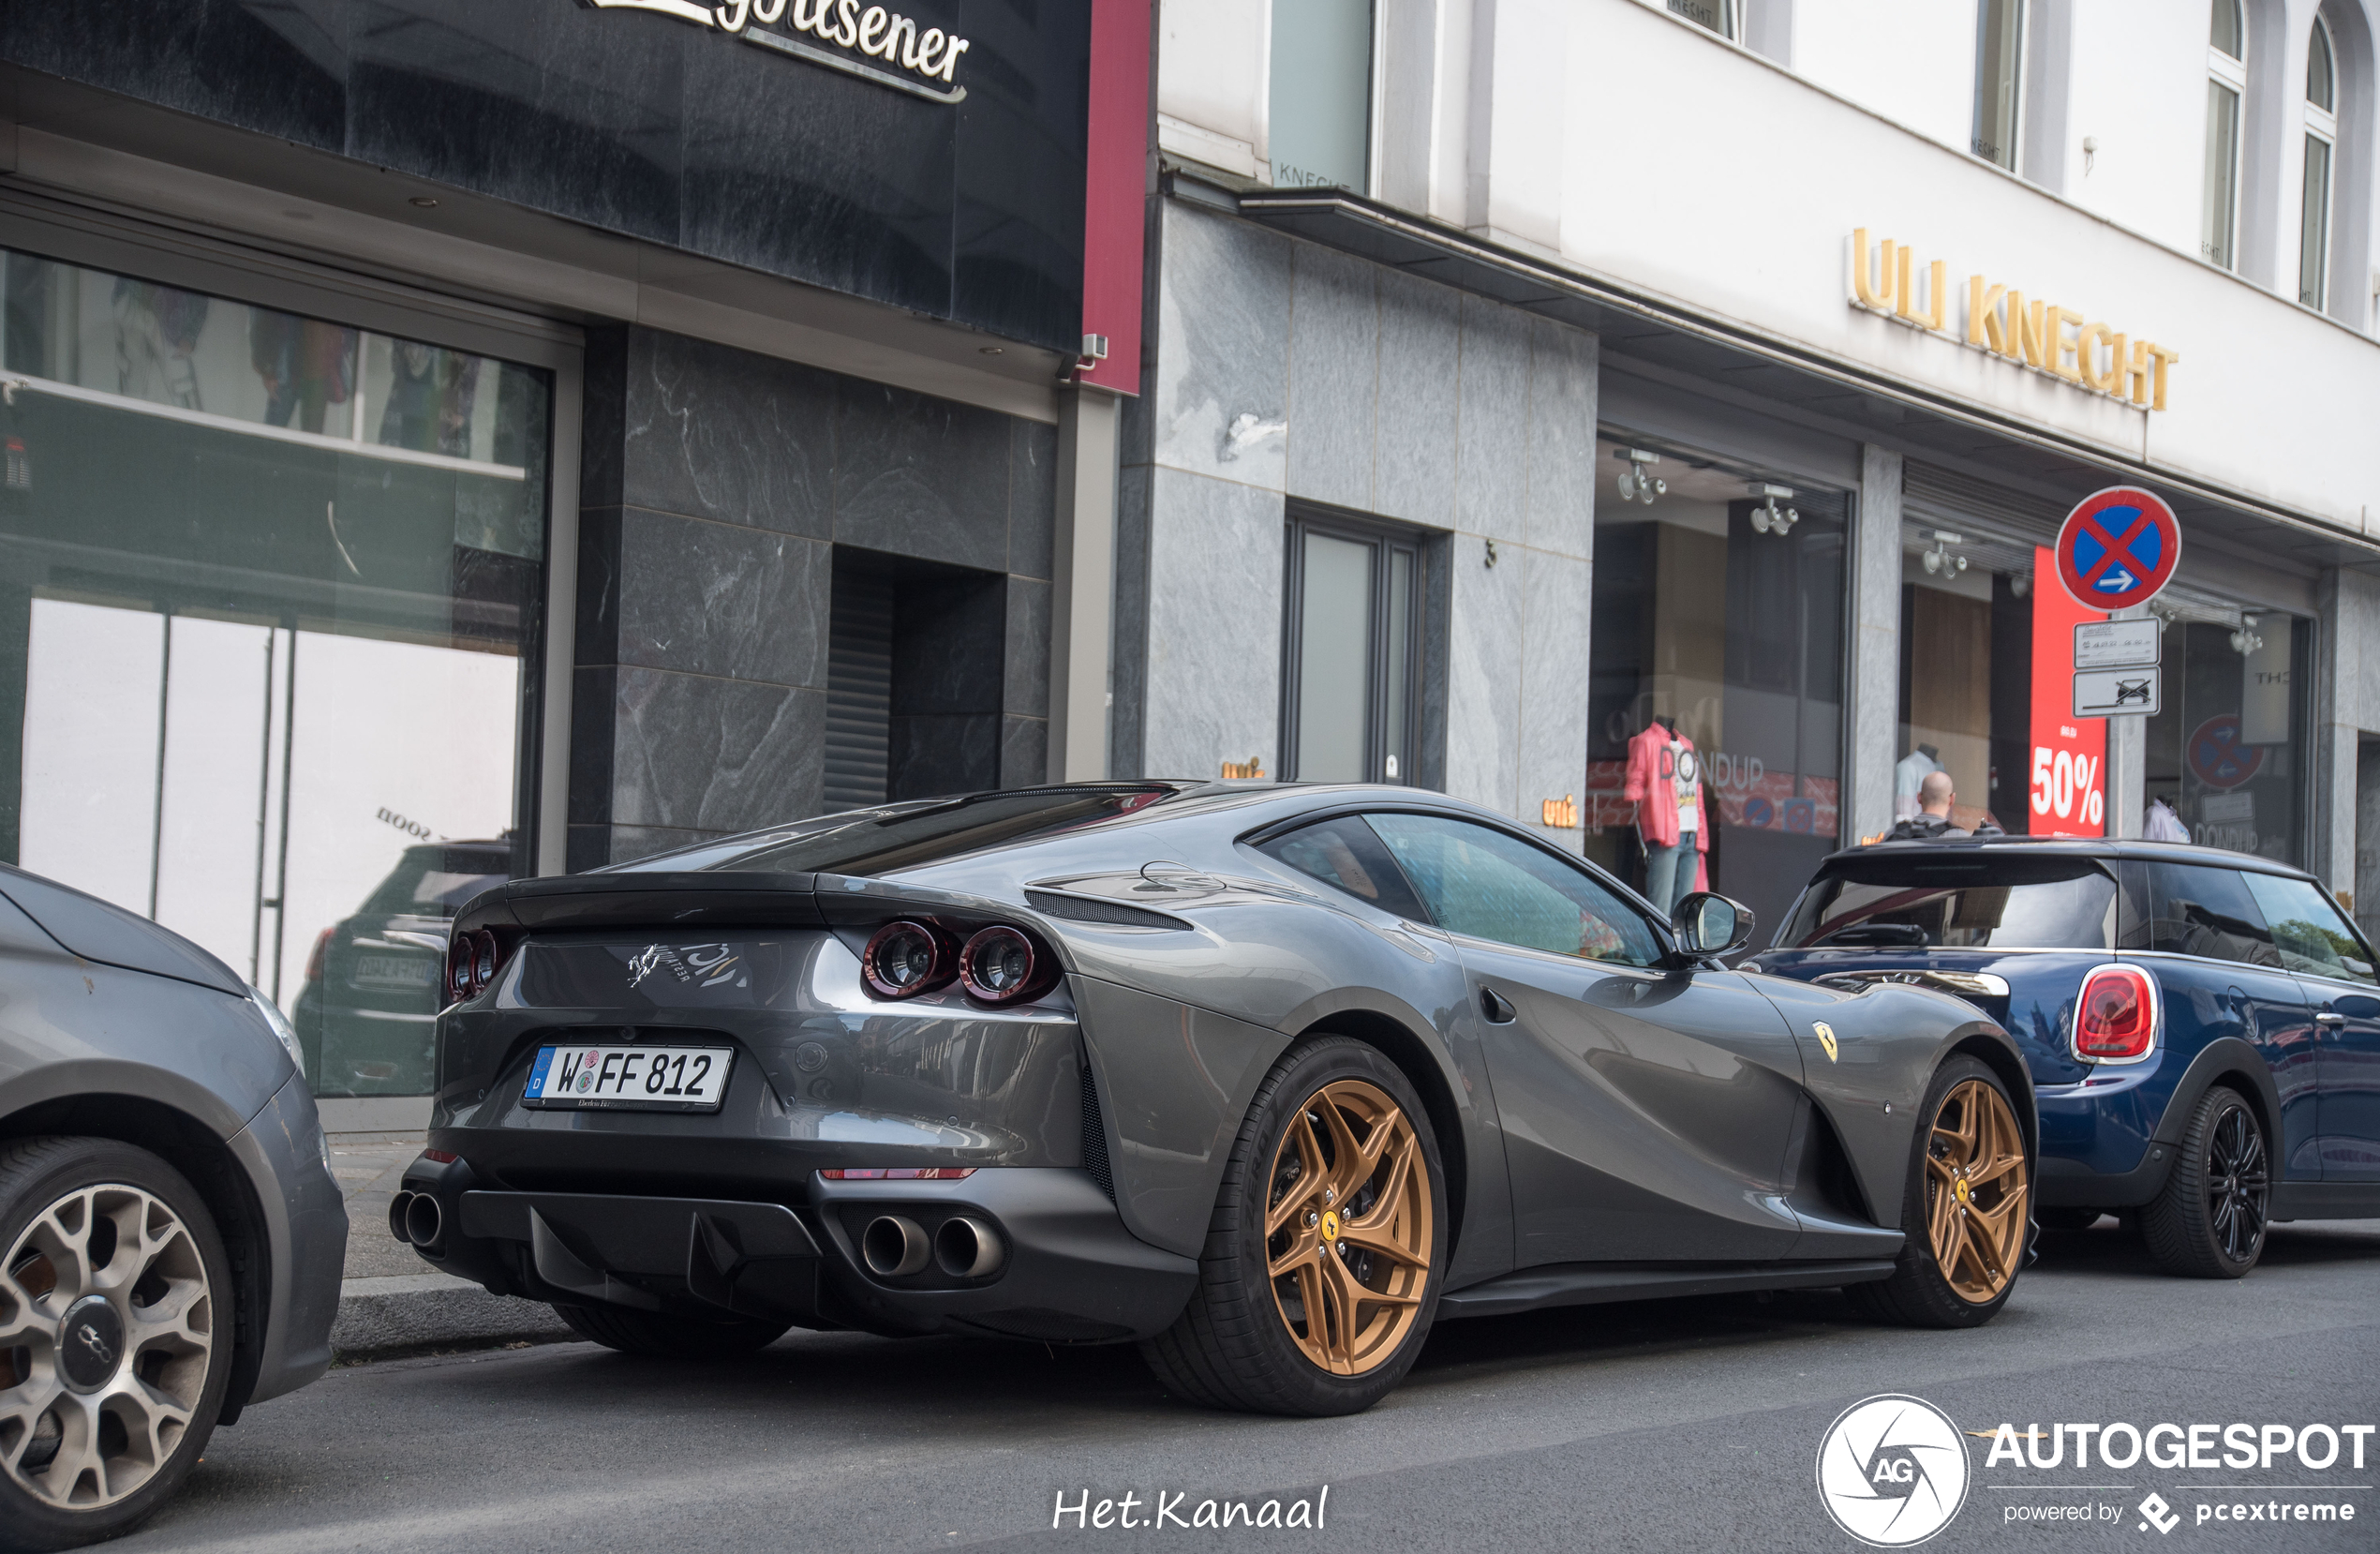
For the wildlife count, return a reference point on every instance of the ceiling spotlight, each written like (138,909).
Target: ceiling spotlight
(1939,557)
(2245,641)
(1637,483)
(1769,518)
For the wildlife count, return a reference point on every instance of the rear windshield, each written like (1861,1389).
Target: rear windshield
(907,836)
(1977,902)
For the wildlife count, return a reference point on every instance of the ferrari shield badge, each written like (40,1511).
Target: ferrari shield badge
(1825,1038)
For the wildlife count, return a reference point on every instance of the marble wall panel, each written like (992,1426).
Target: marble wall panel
(1875,667)
(1562,382)
(1222,379)
(720,599)
(1130,670)
(1491,481)
(1413,457)
(1213,675)
(713,432)
(626,843)
(1556,596)
(693,752)
(1484,635)
(1024,751)
(1334,376)
(1026,660)
(1032,497)
(918,476)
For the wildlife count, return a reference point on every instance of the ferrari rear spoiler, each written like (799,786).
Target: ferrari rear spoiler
(706,899)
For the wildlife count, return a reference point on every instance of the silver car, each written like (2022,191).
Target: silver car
(1267,1079)
(171,1237)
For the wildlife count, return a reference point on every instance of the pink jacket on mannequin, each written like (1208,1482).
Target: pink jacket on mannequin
(1652,779)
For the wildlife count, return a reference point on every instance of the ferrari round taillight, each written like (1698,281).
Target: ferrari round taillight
(484,958)
(2116,1015)
(461,951)
(1000,965)
(905,959)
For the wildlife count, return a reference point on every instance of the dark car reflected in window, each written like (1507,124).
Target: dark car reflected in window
(1999,902)
(371,988)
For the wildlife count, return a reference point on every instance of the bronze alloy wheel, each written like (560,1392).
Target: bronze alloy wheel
(1347,1227)
(1976,1191)
(107,1324)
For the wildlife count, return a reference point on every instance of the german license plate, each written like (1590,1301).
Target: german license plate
(630,1079)
(395,971)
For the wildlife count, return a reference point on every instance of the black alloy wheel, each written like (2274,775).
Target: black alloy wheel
(2209,1220)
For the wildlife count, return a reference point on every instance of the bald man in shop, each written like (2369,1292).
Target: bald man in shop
(1935,799)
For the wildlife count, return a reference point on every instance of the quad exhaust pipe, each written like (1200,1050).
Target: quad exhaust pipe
(416,1219)
(896,1246)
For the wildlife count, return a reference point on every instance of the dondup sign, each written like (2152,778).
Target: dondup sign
(894,50)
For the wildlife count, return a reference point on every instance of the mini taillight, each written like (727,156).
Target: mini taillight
(901,1173)
(440,1157)
(2116,1015)
(905,959)
(320,955)
(1001,966)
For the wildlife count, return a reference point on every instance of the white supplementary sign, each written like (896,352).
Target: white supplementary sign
(2117,644)
(930,54)
(2115,693)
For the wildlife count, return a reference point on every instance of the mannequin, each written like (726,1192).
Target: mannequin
(1664,780)
(1908,773)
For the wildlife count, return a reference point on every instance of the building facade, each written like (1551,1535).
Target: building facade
(450,441)
(1721,374)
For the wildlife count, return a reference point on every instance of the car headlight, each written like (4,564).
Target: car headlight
(281,1026)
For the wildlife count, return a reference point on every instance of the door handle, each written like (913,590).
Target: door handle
(1495,1009)
(2329,1017)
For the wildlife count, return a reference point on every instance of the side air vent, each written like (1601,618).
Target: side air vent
(1115,914)
(1094,1138)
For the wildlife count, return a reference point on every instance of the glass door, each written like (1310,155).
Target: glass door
(1351,654)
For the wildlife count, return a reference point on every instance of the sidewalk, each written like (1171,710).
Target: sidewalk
(393,1303)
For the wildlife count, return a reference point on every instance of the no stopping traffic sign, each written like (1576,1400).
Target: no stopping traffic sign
(2118,547)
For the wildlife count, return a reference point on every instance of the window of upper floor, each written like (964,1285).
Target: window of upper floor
(1321,94)
(1999,67)
(2226,86)
(2316,195)
(1719,16)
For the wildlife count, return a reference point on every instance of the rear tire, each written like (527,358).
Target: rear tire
(2209,1220)
(1298,1310)
(1964,1209)
(669,1338)
(113,1378)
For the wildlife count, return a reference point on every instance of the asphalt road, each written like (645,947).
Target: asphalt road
(1671,1426)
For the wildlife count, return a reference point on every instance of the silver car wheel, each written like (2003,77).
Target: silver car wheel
(107,1326)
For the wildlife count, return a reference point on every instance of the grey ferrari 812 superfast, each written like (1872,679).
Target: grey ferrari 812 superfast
(1267,1078)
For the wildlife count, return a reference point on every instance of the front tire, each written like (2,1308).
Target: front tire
(115,1338)
(651,1333)
(1965,1209)
(1320,1274)
(2209,1222)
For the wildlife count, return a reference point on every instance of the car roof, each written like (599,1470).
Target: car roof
(2076,846)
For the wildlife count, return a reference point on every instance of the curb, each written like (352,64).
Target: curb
(413,1312)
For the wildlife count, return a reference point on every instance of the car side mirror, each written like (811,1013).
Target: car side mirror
(1711,924)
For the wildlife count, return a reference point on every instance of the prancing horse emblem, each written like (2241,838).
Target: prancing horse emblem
(1825,1038)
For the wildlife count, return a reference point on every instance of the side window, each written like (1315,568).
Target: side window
(2308,929)
(1346,856)
(1490,885)
(2195,909)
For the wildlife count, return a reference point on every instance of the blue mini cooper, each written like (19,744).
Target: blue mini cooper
(2203,1026)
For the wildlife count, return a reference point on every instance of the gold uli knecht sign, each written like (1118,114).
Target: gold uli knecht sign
(929,54)
(1888,280)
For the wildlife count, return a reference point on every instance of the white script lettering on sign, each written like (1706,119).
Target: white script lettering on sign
(928,52)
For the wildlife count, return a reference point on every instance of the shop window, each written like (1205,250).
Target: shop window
(915,672)
(269,589)
(2322,130)
(2227,751)
(1351,654)
(1319,127)
(1718,629)
(2000,67)
(2227,83)
(1717,15)
(1986,688)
